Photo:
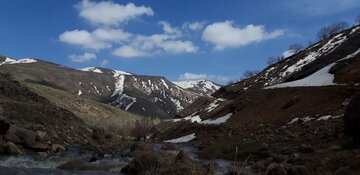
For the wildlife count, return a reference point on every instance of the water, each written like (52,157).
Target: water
(72,163)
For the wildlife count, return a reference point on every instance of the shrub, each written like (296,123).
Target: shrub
(249,74)
(150,162)
(327,31)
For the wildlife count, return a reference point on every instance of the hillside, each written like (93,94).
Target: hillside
(145,95)
(289,114)
(32,124)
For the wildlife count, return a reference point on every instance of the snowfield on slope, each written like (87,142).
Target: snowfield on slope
(217,121)
(182,139)
(20,61)
(119,84)
(196,118)
(320,78)
(91,69)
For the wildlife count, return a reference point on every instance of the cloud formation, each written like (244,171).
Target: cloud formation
(167,42)
(97,39)
(193,25)
(110,14)
(192,76)
(226,35)
(82,58)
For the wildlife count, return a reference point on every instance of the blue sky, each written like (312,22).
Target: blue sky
(181,40)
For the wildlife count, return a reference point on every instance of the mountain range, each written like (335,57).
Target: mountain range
(145,95)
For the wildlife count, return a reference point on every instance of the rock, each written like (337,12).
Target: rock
(298,170)
(24,137)
(11,148)
(261,165)
(41,136)
(57,148)
(4,125)
(276,169)
(42,154)
(352,118)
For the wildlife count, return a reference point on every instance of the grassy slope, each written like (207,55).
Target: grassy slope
(91,112)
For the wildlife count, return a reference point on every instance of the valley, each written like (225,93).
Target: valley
(299,115)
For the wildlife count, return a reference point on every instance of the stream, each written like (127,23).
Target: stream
(73,162)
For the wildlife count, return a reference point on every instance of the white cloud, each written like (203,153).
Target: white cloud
(97,39)
(128,52)
(193,76)
(167,42)
(226,35)
(193,25)
(109,13)
(104,62)
(168,29)
(82,58)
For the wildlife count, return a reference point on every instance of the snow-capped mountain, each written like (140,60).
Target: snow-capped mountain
(145,95)
(200,87)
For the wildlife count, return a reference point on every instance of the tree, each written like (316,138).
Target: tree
(296,47)
(249,74)
(327,31)
(273,60)
(357,20)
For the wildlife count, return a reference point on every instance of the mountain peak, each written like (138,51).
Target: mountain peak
(201,87)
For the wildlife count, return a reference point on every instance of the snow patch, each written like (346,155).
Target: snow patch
(119,72)
(330,46)
(79,93)
(91,69)
(182,139)
(327,117)
(133,100)
(217,121)
(97,90)
(119,84)
(304,120)
(20,61)
(214,104)
(177,104)
(320,78)
(351,55)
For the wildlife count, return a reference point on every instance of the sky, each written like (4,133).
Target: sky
(179,39)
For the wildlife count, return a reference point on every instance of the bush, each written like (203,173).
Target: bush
(249,74)
(331,29)
(144,128)
(150,162)
(296,47)
(273,60)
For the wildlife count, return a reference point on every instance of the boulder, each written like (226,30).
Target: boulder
(352,118)
(276,169)
(41,136)
(11,148)
(24,137)
(42,154)
(57,148)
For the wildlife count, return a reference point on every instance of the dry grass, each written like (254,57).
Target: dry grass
(93,113)
(150,162)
